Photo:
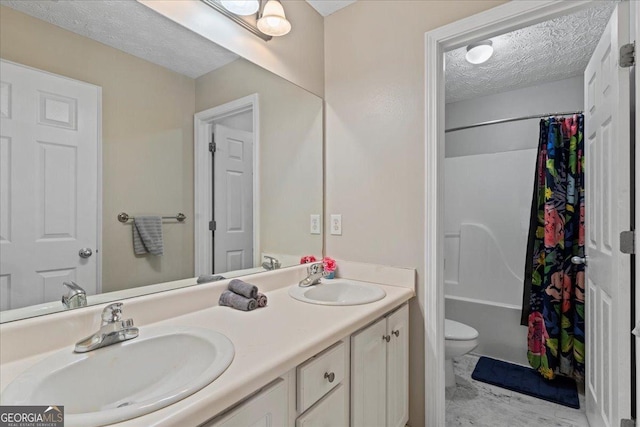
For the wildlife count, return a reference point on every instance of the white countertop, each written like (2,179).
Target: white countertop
(268,342)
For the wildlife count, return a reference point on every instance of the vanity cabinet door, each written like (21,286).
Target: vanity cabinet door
(268,408)
(398,368)
(331,411)
(368,377)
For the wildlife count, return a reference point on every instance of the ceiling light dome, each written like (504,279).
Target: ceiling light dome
(241,7)
(273,20)
(480,52)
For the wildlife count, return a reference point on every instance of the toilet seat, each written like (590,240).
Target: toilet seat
(457,331)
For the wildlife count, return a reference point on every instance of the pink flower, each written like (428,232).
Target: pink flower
(307,259)
(329,264)
(538,334)
(553,227)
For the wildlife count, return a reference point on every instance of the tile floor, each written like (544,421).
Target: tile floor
(478,404)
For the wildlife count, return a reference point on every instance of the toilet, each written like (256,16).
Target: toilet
(459,339)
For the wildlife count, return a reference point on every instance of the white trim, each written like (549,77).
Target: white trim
(499,20)
(483,302)
(98,249)
(203,178)
(635,35)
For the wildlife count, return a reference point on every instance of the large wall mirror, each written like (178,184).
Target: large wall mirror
(109,108)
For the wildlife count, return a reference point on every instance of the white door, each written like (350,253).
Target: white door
(233,200)
(368,376)
(48,185)
(635,25)
(608,353)
(398,368)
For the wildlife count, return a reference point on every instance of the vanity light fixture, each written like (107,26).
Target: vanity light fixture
(480,52)
(264,18)
(241,7)
(273,20)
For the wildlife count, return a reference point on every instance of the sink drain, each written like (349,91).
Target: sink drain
(122,405)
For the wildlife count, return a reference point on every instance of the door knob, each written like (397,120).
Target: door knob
(330,376)
(85,253)
(579,260)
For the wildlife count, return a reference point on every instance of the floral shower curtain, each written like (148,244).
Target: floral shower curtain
(553,306)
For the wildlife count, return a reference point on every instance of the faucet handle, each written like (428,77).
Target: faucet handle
(112,313)
(75,297)
(315,267)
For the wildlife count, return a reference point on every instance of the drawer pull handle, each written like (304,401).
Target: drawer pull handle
(387,338)
(330,376)
(396,333)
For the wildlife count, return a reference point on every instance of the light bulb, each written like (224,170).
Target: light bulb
(273,21)
(241,7)
(480,52)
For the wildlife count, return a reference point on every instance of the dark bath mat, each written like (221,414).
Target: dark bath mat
(561,390)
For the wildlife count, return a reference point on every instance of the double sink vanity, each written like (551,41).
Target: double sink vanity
(334,354)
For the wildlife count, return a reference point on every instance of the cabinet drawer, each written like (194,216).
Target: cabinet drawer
(315,377)
(330,411)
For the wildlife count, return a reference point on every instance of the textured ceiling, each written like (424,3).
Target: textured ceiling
(327,7)
(551,50)
(133,28)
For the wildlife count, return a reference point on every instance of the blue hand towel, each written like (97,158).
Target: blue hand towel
(147,235)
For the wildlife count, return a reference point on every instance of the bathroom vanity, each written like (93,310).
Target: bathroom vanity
(362,380)
(295,363)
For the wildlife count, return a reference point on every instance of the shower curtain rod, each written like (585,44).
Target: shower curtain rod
(512,119)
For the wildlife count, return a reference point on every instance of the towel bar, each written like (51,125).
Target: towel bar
(124,217)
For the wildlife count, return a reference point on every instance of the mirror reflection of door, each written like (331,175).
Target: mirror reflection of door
(233,193)
(48,185)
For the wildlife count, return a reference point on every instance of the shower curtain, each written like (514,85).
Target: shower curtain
(553,300)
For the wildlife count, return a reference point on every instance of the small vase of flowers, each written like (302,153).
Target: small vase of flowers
(307,259)
(330,266)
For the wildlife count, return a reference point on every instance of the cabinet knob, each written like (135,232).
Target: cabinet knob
(387,338)
(330,376)
(396,333)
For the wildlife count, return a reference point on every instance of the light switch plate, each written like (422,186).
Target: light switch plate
(316,226)
(336,224)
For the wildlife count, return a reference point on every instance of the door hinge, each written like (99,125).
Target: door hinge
(212,226)
(212,144)
(627,55)
(627,423)
(627,242)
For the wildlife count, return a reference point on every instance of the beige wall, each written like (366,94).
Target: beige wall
(147,146)
(290,151)
(374,92)
(298,56)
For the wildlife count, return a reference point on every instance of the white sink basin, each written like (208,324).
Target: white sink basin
(338,292)
(125,380)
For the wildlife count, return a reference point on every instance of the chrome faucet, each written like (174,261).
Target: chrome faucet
(272,264)
(113,330)
(75,297)
(315,272)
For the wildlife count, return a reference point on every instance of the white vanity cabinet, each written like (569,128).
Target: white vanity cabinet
(380,372)
(267,408)
(321,382)
(360,381)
